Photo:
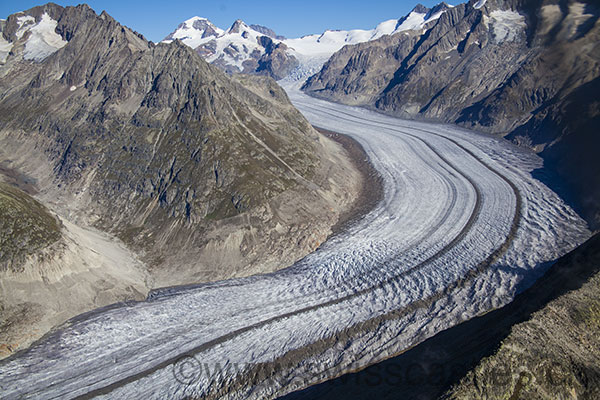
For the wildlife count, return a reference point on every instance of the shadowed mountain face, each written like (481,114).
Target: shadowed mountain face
(525,69)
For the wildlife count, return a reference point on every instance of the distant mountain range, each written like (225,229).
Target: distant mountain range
(257,49)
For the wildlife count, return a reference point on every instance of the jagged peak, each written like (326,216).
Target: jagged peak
(420,9)
(197,22)
(437,10)
(238,26)
(443,6)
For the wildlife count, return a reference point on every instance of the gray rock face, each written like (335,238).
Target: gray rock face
(267,31)
(276,62)
(526,69)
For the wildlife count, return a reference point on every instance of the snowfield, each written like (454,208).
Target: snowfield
(330,41)
(44,40)
(461,229)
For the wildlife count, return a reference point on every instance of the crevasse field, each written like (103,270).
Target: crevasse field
(461,229)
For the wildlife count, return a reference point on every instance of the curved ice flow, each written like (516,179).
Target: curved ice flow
(446,208)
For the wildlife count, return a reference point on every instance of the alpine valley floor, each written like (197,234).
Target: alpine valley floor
(462,228)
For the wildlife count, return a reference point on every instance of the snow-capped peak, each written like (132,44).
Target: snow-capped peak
(414,20)
(194,31)
(420,16)
(238,26)
(190,22)
(231,48)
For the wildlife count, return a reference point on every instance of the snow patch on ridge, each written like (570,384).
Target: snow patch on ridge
(506,25)
(41,42)
(24,21)
(479,4)
(44,40)
(413,21)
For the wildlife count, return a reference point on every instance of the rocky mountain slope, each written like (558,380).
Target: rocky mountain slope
(26,227)
(160,168)
(257,49)
(528,70)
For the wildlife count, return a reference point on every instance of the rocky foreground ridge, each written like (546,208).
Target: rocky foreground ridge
(528,70)
(157,168)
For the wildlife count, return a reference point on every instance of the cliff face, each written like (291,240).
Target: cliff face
(201,175)
(525,69)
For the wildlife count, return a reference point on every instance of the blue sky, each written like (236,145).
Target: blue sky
(156,19)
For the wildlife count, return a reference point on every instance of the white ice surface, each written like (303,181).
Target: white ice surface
(479,4)
(329,42)
(43,40)
(449,202)
(506,25)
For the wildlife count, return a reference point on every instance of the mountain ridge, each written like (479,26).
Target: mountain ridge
(242,48)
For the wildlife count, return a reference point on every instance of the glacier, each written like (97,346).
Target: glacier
(462,227)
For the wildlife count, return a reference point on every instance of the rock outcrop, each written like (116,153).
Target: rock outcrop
(524,69)
(162,169)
